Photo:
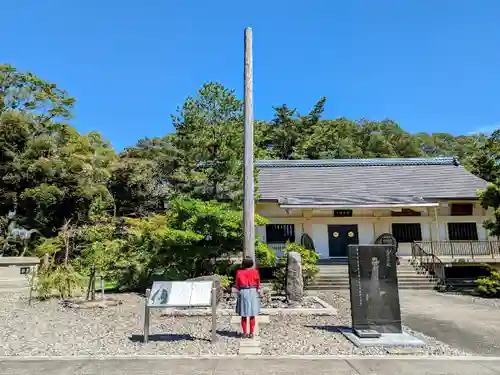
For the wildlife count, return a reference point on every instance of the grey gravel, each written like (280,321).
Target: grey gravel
(48,328)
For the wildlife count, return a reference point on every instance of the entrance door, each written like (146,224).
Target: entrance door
(339,237)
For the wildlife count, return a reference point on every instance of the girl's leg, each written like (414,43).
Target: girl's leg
(244,324)
(252,324)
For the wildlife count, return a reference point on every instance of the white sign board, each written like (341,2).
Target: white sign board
(180,294)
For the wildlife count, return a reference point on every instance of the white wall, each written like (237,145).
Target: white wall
(366,233)
(298,232)
(320,238)
(426,231)
(260,231)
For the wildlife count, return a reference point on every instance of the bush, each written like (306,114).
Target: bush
(225,282)
(309,266)
(489,285)
(60,280)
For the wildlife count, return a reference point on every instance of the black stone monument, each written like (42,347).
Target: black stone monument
(373,282)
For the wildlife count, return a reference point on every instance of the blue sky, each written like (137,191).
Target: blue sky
(431,65)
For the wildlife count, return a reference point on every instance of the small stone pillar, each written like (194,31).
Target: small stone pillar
(294,282)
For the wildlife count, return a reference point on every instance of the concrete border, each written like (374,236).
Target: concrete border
(325,310)
(249,357)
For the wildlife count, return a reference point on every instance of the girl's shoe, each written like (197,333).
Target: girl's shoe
(250,336)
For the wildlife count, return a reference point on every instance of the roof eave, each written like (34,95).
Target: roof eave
(342,206)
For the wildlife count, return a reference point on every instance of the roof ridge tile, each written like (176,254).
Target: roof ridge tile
(356,162)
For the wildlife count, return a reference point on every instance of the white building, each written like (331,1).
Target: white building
(432,201)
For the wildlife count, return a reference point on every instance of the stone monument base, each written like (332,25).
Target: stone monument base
(385,339)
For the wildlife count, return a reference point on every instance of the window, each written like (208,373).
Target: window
(405,212)
(342,213)
(462,232)
(280,233)
(461,209)
(407,232)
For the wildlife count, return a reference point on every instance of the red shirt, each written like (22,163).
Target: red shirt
(247,277)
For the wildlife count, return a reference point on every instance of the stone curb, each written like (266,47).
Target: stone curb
(271,312)
(326,310)
(250,357)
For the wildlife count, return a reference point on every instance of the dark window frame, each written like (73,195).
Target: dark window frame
(464,231)
(280,233)
(407,232)
(462,209)
(405,212)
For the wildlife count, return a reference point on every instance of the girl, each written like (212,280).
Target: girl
(248,303)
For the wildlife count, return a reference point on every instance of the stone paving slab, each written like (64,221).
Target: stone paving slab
(249,347)
(256,365)
(385,339)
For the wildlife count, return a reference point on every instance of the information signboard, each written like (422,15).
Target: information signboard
(180,294)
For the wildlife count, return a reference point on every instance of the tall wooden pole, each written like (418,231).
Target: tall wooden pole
(248,189)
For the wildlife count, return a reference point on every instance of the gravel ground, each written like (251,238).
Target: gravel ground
(47,328)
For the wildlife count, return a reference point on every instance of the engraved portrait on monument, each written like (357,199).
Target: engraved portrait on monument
(374,288)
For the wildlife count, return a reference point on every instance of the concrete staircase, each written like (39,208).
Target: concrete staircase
(333,275)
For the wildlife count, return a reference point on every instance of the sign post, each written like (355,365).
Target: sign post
(181,294)
(146,316)
(214,313)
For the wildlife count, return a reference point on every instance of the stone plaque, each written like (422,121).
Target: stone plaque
(180,294)
(373,281)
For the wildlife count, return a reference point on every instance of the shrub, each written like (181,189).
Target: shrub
(489,285)
(309,266)
(60,280)
(225,282)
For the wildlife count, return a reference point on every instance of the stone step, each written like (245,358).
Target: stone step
(429,286)
(400,282)
(340,274)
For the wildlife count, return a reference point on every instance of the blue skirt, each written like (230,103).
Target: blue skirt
(248,303)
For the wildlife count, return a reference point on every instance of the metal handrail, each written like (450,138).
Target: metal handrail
(428,262)
(456,249)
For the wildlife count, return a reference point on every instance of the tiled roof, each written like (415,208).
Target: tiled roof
(349,180)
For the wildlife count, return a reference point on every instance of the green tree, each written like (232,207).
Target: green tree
(209,141)
(141,181)
(26,92)
(288,130)
(50,173)
(490,199)
(330,139)
(485,162)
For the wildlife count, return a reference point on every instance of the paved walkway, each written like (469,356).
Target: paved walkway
(255,366)
(455,320)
